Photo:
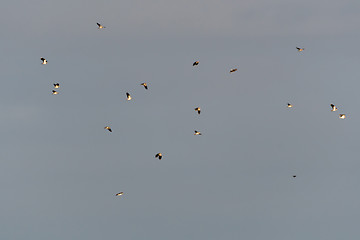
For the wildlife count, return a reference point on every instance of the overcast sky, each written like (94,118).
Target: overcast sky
(60,169)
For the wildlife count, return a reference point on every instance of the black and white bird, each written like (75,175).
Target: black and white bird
(128,97)
(233,70)
(100,26)
(56,85)
(108,128)
(44,61)
(198,110)
(145,85)
(159,156)
(119,194)
(197,133)
(294,176)
(342,116)
(54,92)
(196,63)
(333,108)
(289,105)
(300,49)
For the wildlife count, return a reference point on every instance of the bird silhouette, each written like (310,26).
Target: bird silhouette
(100,26)
(128,97)
(196,63)
(333,108)
(108,128)
(198,110)
(145,85)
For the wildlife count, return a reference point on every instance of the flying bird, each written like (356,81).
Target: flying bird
(119,194)
(100,26)
(54,92)
(128,97)
(145,85)
(56,85)
(342,116)
(44,61)
(333,108)
(294,176)
(159,156)
(197,133)
(233,70)
(108,128)
(196,63)
(300,49)
(198,110)
(289,105)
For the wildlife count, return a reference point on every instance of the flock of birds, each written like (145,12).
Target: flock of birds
(197,109)
(333,109)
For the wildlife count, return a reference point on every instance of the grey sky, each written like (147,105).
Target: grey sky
(60,170)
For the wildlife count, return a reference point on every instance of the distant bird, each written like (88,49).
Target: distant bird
(333,108)
(145,85)
(100,26)
(197,133)
(294,176)
(300,49)
(119,194)
(54,92)
(289,105)
(44,61)
(196,63)
(233,70)
(198,110)
(128,97)
(108,128)
(56,85)
(159,156)
(342,116)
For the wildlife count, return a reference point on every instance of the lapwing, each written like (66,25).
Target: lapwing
(198,110)
(289,105)
(342,116)
(100,26)
(145,85)
(119,194)
(54,92)
(197,133)
(233,70)
(108,128)
(128,97)
(333,108)
(44,61)
(159,156)
(56,85)
(196,63)
(300,49)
